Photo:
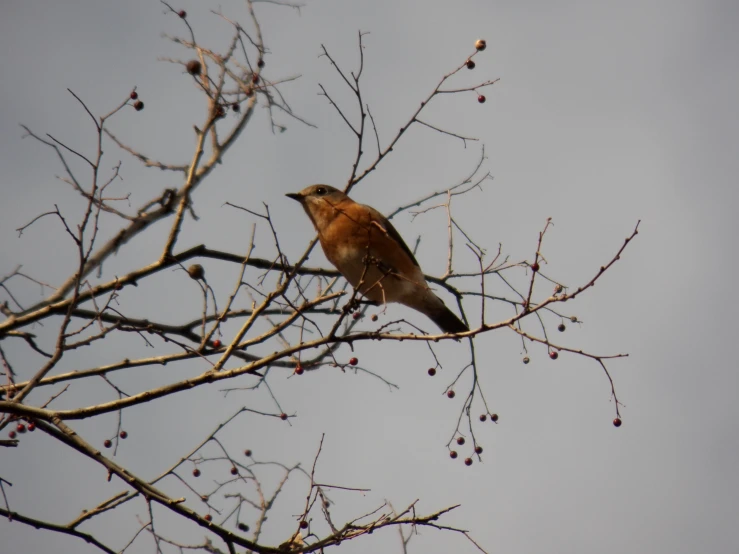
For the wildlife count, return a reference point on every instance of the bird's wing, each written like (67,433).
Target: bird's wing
(383,222)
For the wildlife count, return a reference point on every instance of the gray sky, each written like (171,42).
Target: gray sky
(606,113)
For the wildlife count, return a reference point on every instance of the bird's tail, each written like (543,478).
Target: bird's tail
(437,312)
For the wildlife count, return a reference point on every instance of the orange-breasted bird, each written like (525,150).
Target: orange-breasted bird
(367,250)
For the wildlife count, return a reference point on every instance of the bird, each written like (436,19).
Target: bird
(367,250)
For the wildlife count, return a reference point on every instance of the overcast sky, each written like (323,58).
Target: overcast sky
(606,113)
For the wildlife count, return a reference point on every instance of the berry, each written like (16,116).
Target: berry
(193,67)
(356,315)
(299,370)
(470,64)
(478,449)
(247,453)
(283,416)
(460,441)
(234,471)
(208,517)
(255,78)
(494,418)
(138,105)
(243,527)
(450,394)
(304,524)
(374,317)
(236,107)
(11,434)
(134,95)
(561,328)
(558,289)
(553,355)
(432,371)
(617,422)
(220,111)
(204,497)
(21,427)
(526,359)
(480,44)
(481,99)
(217,343)
(468,461)
(260,63)
(453,454)
(123,434)
(31,427)
(535,266)
(249,92)
(182,14)
(573,318)
(196,272)
(483,417)
(353,361)
(107,443)
(196,472)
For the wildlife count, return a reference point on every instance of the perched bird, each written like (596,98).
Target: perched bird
(371,255)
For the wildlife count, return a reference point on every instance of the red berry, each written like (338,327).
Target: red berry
(21,427)
(299,370)
(553,355)
(432,371)
(470,64)
(196,472)
(481,99)
(134,95)
(255,78)
(561,328)
(353,361)
(260,63)
(283,416)
(617,422)
(31,427)
(234,471)
(138,105)
(11,434)
(478,450)
(535,266)
(356,315)
(182,14)
(304,524)
(204,497)
(460,441)
(123,434)
(217,343)
(450,394)
(236,106)
(247,452)
(374,317)
(494,418)
(107,443)
(208,517)
(483,417)
(468,461)
(453,454)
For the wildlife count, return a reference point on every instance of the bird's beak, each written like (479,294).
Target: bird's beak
(295,196)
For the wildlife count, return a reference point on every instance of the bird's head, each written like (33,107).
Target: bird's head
(321,202)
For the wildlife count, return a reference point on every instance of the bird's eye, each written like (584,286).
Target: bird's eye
(320,191)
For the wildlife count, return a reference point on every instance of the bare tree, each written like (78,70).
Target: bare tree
(280,313)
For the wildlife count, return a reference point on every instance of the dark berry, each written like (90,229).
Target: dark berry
(561,328)
(453,454)
(134,95)
(617,422)
(247,452)
(468,461)
(196,472)
(481,99)
(478,449)
(526,359)
(470,64)
(255,78)
(299,370)
(283,416)
(460,441)
(353,361)
(21,427)
(304,524)
(356,315)
(450,394)
(196,272)
(182,14)
(243,527)
(483,417)
(193,67)
(535,266)
(494,418)
(480,44)
(138,105)
(11,434)
(553,355)
(260,63)
(432,371)
(236,106)
(107,443)
(217,343)
(31,427)
(123,434)
(374,317)
(208,517)
(234,471)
